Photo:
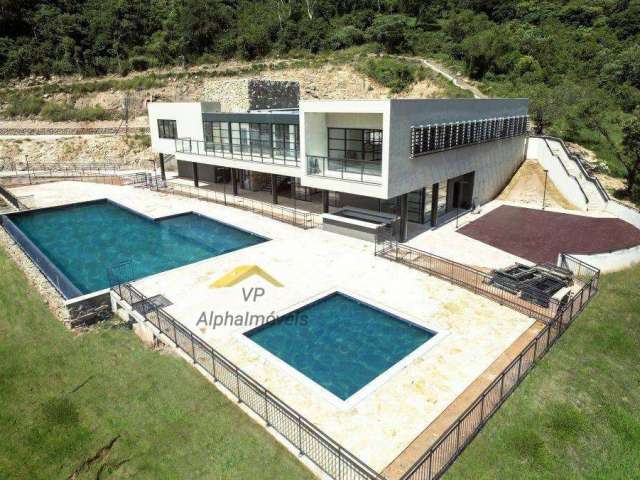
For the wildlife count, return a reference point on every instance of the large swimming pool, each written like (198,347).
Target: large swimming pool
(84,240)
(339,342)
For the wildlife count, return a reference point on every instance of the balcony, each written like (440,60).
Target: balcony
(272,154)
(362,171)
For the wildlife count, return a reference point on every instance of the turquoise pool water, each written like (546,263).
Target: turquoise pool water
(84,240)
(339,342)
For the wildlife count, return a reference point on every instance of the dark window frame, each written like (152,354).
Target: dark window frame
(167,129)
(369,141)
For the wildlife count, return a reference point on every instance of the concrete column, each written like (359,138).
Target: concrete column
(274,189)
(325,201)
(434,204)
(162,172)
(404,217)
(293,187)
(234,181)
(195,174)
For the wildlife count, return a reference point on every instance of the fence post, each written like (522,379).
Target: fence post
(300,435)
(238,385)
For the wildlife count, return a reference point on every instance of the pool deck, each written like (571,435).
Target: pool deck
(382,425)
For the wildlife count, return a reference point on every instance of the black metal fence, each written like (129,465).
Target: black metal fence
(325,452)
(435,461)
(292,216)
(311,442)
(345,169)
(477,281)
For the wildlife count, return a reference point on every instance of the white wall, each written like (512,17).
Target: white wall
(494,162)
(188,117)
(612,261)
(567,185)
(625,213)
(318,115)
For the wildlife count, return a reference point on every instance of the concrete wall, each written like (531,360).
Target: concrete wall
(317,115)
(627,214)
(188,117)
(494,162)
(612,261)
(206,173)
(567,185)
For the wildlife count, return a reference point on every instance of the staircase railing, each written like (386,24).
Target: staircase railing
(590,178)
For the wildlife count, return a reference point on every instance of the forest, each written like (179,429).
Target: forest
(577,61)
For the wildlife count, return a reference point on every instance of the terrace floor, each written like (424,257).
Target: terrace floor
(474,332)
(540,236)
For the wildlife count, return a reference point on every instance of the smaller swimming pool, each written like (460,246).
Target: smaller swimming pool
(339,342)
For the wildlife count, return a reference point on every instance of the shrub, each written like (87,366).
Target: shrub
(391,31)
(139,63)
(61,112)
(395,74)
(24,105)
(345,37)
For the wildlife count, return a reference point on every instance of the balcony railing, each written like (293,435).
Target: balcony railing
(363,171)
(274,155)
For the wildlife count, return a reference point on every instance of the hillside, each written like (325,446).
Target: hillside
(577,61)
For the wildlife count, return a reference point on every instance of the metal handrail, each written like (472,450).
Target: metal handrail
(446,449)
(591,178)
(344,169)
(346,465)
(569,174)
(472,279)
(292,216)
(229,151)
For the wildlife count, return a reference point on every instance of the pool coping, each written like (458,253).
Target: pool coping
(377,382)
(28,246)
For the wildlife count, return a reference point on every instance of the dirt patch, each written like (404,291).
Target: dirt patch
(120,149)
(527,187)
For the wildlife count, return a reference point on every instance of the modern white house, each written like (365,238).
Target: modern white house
(420,159)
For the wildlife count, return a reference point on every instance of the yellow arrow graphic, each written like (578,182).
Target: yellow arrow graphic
(241,273)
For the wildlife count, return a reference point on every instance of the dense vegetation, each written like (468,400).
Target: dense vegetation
(576,60)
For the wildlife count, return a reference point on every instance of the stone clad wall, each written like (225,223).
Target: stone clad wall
(266,94)
(251,94)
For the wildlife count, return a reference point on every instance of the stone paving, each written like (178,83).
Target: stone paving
(472,331)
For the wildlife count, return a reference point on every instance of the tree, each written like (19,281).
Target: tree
(631,152)
(391,31)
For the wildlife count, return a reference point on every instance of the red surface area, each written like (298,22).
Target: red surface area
(540,236)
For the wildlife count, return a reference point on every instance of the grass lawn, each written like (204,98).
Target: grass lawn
(64,396)
(577,415)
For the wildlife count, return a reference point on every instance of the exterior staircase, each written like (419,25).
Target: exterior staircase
(590,185)
(568,174)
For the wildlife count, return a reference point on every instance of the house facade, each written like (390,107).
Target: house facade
(421,159)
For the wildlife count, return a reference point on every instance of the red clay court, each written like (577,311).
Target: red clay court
(539,236)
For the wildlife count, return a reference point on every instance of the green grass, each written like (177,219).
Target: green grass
(577,415)
(170,422)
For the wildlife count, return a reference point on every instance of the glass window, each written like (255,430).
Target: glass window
(167,129)
(355,144)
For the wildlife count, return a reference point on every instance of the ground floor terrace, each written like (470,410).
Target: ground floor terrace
(389,422)
(427,207)
(380,423)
